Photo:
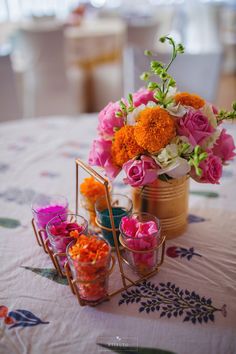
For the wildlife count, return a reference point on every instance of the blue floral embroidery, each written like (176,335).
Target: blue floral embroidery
(19,196)
(4,167)
(24,318)
(172,301)
(207,194)
(20,318)
(195,218)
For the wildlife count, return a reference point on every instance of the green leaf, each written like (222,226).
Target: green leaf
(148,53)
(162,39)
(180,48)
(144,76)
(130,99)
(9,223)
(203,156)
(49,273)
(207,194)
(134,350)
(152,86)
(122,105)
(119,114)
(164,177)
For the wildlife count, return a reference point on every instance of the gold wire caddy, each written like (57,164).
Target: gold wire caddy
(116,259)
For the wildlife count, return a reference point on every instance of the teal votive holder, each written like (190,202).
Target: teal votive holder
(121,206)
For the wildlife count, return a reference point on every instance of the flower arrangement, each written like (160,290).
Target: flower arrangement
(159,132)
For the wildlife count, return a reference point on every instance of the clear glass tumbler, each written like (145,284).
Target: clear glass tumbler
(63,229)
(91,277)
(121,206)
(44,208)
(141,241)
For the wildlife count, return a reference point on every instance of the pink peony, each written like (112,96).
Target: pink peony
(140,172)
(211,170)
(224,146)
(100,155)
(195,126)
(143,96)
(108,120)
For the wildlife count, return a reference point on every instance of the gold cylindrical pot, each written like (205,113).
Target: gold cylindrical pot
(167,200)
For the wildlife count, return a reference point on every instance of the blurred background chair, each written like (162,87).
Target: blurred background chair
(195,73)
(95,49)
(104,42)
(45,83)
(9,102)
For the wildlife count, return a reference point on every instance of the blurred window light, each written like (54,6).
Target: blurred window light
(98,3)
(15,10)
(4,13)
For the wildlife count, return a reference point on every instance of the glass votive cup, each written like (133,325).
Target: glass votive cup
(121,206)
(91,277)
(60,230)
(44,208)
(141,248)
(90,213)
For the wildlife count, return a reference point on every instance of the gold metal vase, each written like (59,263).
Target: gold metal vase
(167,200)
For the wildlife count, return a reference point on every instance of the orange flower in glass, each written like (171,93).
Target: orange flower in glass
(188,99)
(91,189)
(124,146)
(155,129)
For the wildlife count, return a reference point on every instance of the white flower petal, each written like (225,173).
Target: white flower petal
(132,116)
(180,169)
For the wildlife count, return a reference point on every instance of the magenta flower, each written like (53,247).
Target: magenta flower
(140,172)
(108,120)
(195,126)
(143,96)
(100,155)
(224,146)
(211,170)
(129,226)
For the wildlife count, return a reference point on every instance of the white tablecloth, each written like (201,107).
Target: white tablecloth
(38,312)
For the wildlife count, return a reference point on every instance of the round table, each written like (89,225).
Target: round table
(188,307)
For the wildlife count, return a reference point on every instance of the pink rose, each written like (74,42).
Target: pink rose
(195,126)
(211,170)
(129,226)
(143,96)
(108,120)
(140,172)
(100,155)
(224,146)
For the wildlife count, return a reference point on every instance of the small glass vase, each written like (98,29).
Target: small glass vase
(58,239)
(45,208)
(141,253)
(121,206)
(91,277)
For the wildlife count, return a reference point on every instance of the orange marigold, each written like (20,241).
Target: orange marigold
(188,99)
(124,146)
(155,128)
(92,189)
